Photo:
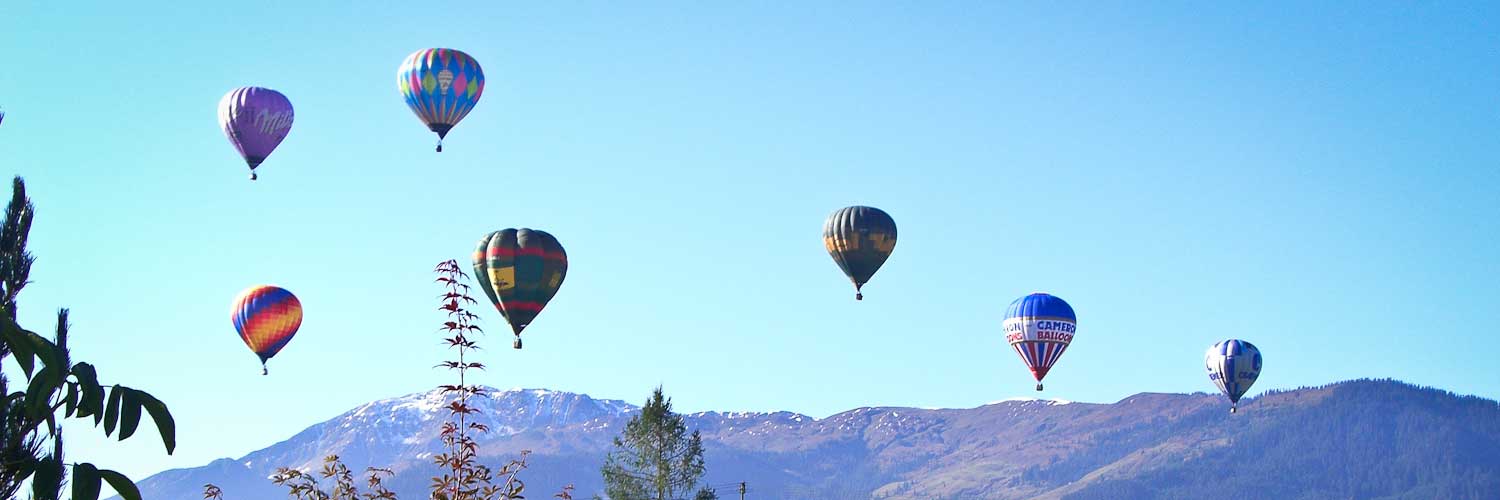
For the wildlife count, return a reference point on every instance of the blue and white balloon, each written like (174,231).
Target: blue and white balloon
(1233,365)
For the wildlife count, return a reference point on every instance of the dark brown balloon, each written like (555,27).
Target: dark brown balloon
(860,239)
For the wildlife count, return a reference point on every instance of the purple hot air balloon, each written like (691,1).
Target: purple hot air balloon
(255,119)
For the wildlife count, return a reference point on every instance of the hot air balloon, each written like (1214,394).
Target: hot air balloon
(2,116)
(1233,365)
(256,120)
(859,239)
(1040,327)
(440,86)
(520,270)
(266,317)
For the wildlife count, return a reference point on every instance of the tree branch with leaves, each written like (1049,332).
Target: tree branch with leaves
(57,388)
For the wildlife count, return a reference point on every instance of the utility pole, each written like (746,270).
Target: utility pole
(742,490)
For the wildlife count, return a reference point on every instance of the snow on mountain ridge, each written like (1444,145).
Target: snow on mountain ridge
(1025,399)
(391,431)
(1029,448)
(381,431)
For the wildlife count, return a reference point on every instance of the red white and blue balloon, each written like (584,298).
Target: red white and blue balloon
(1040,327)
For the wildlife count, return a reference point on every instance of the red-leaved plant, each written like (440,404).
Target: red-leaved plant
(465,478)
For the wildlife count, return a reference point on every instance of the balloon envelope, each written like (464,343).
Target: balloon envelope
(520,271)
(266,318)
(1233,365)
(441,86)
(1040,327)
(256,120)
(859,239)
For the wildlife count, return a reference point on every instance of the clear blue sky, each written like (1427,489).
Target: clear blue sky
(1320,179)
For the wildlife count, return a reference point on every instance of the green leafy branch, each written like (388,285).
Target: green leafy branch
(56,384)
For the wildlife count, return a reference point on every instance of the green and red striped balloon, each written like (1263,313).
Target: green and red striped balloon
(520,271)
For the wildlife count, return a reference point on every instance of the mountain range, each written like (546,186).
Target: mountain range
(1361,439)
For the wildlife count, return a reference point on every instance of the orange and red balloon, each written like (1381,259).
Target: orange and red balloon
(266,317)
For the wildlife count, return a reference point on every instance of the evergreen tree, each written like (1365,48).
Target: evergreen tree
(655,458)
(20,449)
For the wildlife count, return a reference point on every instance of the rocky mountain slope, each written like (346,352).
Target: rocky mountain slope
(1357,439)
